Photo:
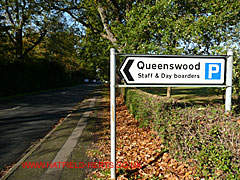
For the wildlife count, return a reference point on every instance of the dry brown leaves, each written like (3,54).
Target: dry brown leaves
(140,146)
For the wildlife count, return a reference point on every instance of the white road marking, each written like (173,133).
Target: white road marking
(15,108)
(66,150)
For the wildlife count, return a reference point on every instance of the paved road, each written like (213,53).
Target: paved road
(26,119)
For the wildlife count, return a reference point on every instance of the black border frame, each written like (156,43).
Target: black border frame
(173,56)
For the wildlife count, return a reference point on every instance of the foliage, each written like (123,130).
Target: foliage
(39,48)
(34,75)
(159,27)
(25,24)
(50,29)
(94,55)
(204,134)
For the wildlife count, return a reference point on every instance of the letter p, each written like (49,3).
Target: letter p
(213,71)
(213,68)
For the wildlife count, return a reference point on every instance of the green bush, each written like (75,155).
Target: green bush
(203,134)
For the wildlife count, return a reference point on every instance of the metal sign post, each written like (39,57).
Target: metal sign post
(113,110)
(168,71)
(228,95)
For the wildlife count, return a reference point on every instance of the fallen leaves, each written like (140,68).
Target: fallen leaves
(142,146)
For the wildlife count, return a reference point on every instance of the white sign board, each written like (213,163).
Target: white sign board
(174,70)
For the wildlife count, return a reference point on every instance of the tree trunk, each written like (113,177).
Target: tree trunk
(169,92)
(19,45)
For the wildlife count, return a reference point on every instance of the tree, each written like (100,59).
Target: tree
(62,45)
(160,27)
(25,24)
(95,56)
(101,17)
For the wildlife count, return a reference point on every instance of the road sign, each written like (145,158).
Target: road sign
(182,70)
(168,70)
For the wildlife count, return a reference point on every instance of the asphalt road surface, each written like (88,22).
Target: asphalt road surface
(25,119)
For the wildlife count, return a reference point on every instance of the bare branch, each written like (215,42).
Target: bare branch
(77,19)
(110,36)
(36,43)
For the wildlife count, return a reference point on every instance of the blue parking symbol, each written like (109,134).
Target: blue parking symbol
(213,71)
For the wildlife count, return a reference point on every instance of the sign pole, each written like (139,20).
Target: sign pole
(228,95)
(113,110)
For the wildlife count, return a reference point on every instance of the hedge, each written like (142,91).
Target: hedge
(202,135)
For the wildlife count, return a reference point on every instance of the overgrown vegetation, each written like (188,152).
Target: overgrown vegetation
(200,134)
